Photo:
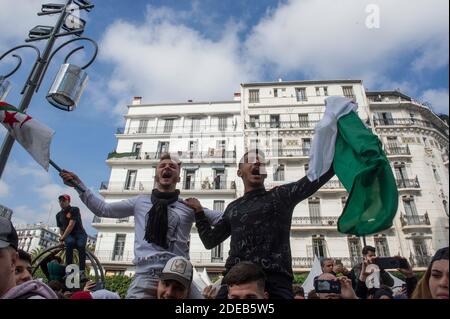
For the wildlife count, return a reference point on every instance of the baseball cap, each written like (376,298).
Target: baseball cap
(178,269)
(65,196)
(8,235)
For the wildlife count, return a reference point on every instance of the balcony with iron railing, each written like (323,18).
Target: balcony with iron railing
(176,129)
(421,261)
(208,184)
(408,183)
(307,262)
(102,221)
(213,155)
(206,258)
(110,256)
(282,125)
(408,122)
(116,186)
(293,152)
(314,222)
(395,150)
(414,221)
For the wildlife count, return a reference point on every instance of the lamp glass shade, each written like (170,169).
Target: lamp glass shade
(5,86)
(67,87)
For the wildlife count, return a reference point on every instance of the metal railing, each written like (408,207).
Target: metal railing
(333,184)
(111,256)
(213,154)
(208,184)
(397,150)
(307,262)
(408,183)
(293,152)
(205,258)
(420,261)
(407,122)
(99,220)
(315,221)
(414,220)
(178,129)
(281,124)
(121,186)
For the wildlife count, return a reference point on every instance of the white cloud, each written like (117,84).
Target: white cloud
(4,189)
(438,98)
(163,60)
(329,39)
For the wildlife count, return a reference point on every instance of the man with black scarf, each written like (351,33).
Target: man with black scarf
(259,224)
(162,224)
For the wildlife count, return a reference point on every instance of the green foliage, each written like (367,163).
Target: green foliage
(300,278)
(118,283)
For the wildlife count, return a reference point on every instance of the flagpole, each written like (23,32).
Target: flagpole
(71,181)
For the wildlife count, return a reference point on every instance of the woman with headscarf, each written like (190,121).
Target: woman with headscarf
(434,284)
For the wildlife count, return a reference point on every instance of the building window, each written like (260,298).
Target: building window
(277,147)
(119,246)
(217,253)
(421,257)
(410,206)
(301,94)
(314,210)
(130,181)
(317,91)
(306,166)
(192,147)
(382,246)
(275,92)
(254,121)
(343,201)
(223,123)
(254,144)
(143,126)
(219,205)
(319,247)
(189,179)
(168,125)
(303,120)
(306,146)
(436,175)
(354,248)
(137,149)
(163,147)
(275,121)
(278,173)
(400,173)
(325,90)
(195,125)
(219,178)
(253,96)
(221,144)
(348,92)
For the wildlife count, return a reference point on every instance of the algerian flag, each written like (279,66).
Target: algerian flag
(364,170)
(32,135)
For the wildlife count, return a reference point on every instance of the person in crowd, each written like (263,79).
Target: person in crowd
(23,267)
(58,288)
(259,223)
(31,289)
(73,235)
(369,256)
(176,279)
(162,221)
(299,292)
(246,280)
(313,294)
(327,265)
(434,284)
(340,270)
(347,291)
(383,292)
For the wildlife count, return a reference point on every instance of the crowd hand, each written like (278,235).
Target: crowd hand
(89,285)
(209,292)
(407,272)
(194,204)
(347,291)
(69,178)
(364,274)
(339,268)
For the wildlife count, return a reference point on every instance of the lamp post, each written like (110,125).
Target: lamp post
(70,80)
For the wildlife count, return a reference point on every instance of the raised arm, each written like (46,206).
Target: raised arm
(210,236)
(96,204)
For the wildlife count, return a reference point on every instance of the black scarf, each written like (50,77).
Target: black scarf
(157,218)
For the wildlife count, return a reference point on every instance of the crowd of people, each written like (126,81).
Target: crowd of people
(259,265)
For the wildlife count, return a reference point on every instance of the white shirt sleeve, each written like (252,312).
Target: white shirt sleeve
(99,207)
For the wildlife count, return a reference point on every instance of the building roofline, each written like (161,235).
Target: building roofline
(185,103)
(398,93)
(306,82)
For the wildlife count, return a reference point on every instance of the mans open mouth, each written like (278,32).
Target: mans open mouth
(166,174)
(256,172)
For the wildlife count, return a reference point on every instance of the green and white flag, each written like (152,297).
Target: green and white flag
(32,135)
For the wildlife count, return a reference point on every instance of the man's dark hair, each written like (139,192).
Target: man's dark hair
(245,272)
(366,250)
(298,290)
(172,157)
(323,260)
(254,151)
(23,255)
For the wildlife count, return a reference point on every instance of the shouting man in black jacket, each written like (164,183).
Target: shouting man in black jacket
(259,224)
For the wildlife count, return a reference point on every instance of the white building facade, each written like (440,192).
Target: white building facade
(279,118)
(36,237)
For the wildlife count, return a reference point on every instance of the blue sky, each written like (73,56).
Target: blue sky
(173,50)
